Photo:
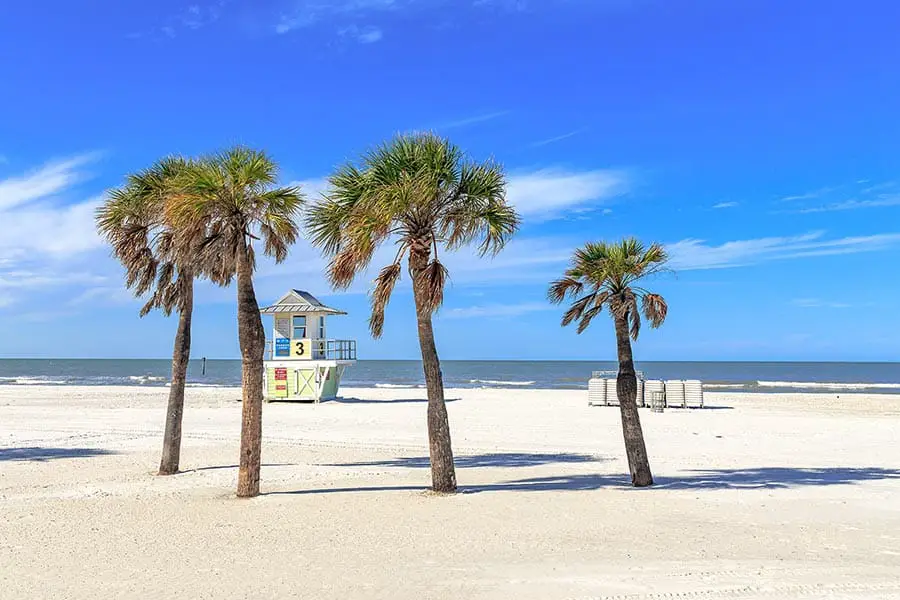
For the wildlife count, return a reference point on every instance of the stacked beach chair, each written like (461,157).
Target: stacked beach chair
(602,389)
(678,393)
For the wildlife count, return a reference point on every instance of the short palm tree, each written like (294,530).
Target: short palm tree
(233,198)
(422,193)
(604,275)
(160,260)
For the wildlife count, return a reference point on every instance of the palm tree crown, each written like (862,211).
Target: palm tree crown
(420,191)
(232,196)
(603,274)
(155,256)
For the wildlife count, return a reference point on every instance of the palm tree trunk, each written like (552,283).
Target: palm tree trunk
(181,355)
(251,336)
(443,472)
(626,389)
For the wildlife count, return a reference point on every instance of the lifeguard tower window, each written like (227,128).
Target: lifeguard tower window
(299,327)
(321,328)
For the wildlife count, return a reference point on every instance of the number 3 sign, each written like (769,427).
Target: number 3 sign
(300,348)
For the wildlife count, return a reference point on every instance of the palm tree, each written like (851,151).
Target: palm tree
(156,257)
(421,192)
(233,198)
(601,275)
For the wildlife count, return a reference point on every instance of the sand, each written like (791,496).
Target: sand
(759,496)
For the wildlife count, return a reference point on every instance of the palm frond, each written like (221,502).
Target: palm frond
(655,309)
(563,288)
(381,295)
(576,311)
(430,283)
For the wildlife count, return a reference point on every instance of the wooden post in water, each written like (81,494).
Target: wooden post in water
(203,368)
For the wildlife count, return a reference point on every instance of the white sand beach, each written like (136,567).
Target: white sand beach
(758,496)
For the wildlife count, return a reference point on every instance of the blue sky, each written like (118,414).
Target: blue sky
(758,139)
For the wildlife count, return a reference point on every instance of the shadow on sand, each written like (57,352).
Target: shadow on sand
(39,454)
(391,401)
(217,467)
(500,459)
(725,479)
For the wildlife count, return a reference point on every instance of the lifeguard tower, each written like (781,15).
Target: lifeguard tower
(302,364)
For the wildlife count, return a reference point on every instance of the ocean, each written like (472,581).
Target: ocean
(716,376)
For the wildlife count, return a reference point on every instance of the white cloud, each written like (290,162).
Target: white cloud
(818,303)
(364,35)
(45,181)
(692,254)
(105,295)
(41,236)
(808,195)
(308,12)
(29,279)
(495,310)
(313,188)
(725,205)
(555,139)
(882,201)
(549,193)
(473,120)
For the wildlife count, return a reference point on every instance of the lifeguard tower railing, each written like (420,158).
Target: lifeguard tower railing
(323,350)
(613,374)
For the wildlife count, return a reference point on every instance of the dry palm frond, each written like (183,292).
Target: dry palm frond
(381,295)
(577,309)
(430,283)
(655,309)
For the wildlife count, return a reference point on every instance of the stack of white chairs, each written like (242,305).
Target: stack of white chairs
(641,401)
(653,385)
(612,395)
(597,392)
(675,393)
(693,393)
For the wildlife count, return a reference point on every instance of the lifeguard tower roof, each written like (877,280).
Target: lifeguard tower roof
(298,301)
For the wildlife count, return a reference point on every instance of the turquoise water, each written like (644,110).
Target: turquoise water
(723,376)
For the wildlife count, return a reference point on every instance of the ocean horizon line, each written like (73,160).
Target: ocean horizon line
(482,360)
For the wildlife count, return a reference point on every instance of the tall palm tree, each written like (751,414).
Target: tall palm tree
(233,198)
(421,192)
(160,259)
(601,275)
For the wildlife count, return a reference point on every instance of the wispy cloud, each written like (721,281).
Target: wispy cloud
(555,139)
(41,230)
(551,193)
(807,195)
(862,195)
(191,18)
(44,181)
(34,221)
(306,13)
(818,303)
(725,205)
(368,36)
(496,310)
(473,120)
(692,254)
(882,201)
